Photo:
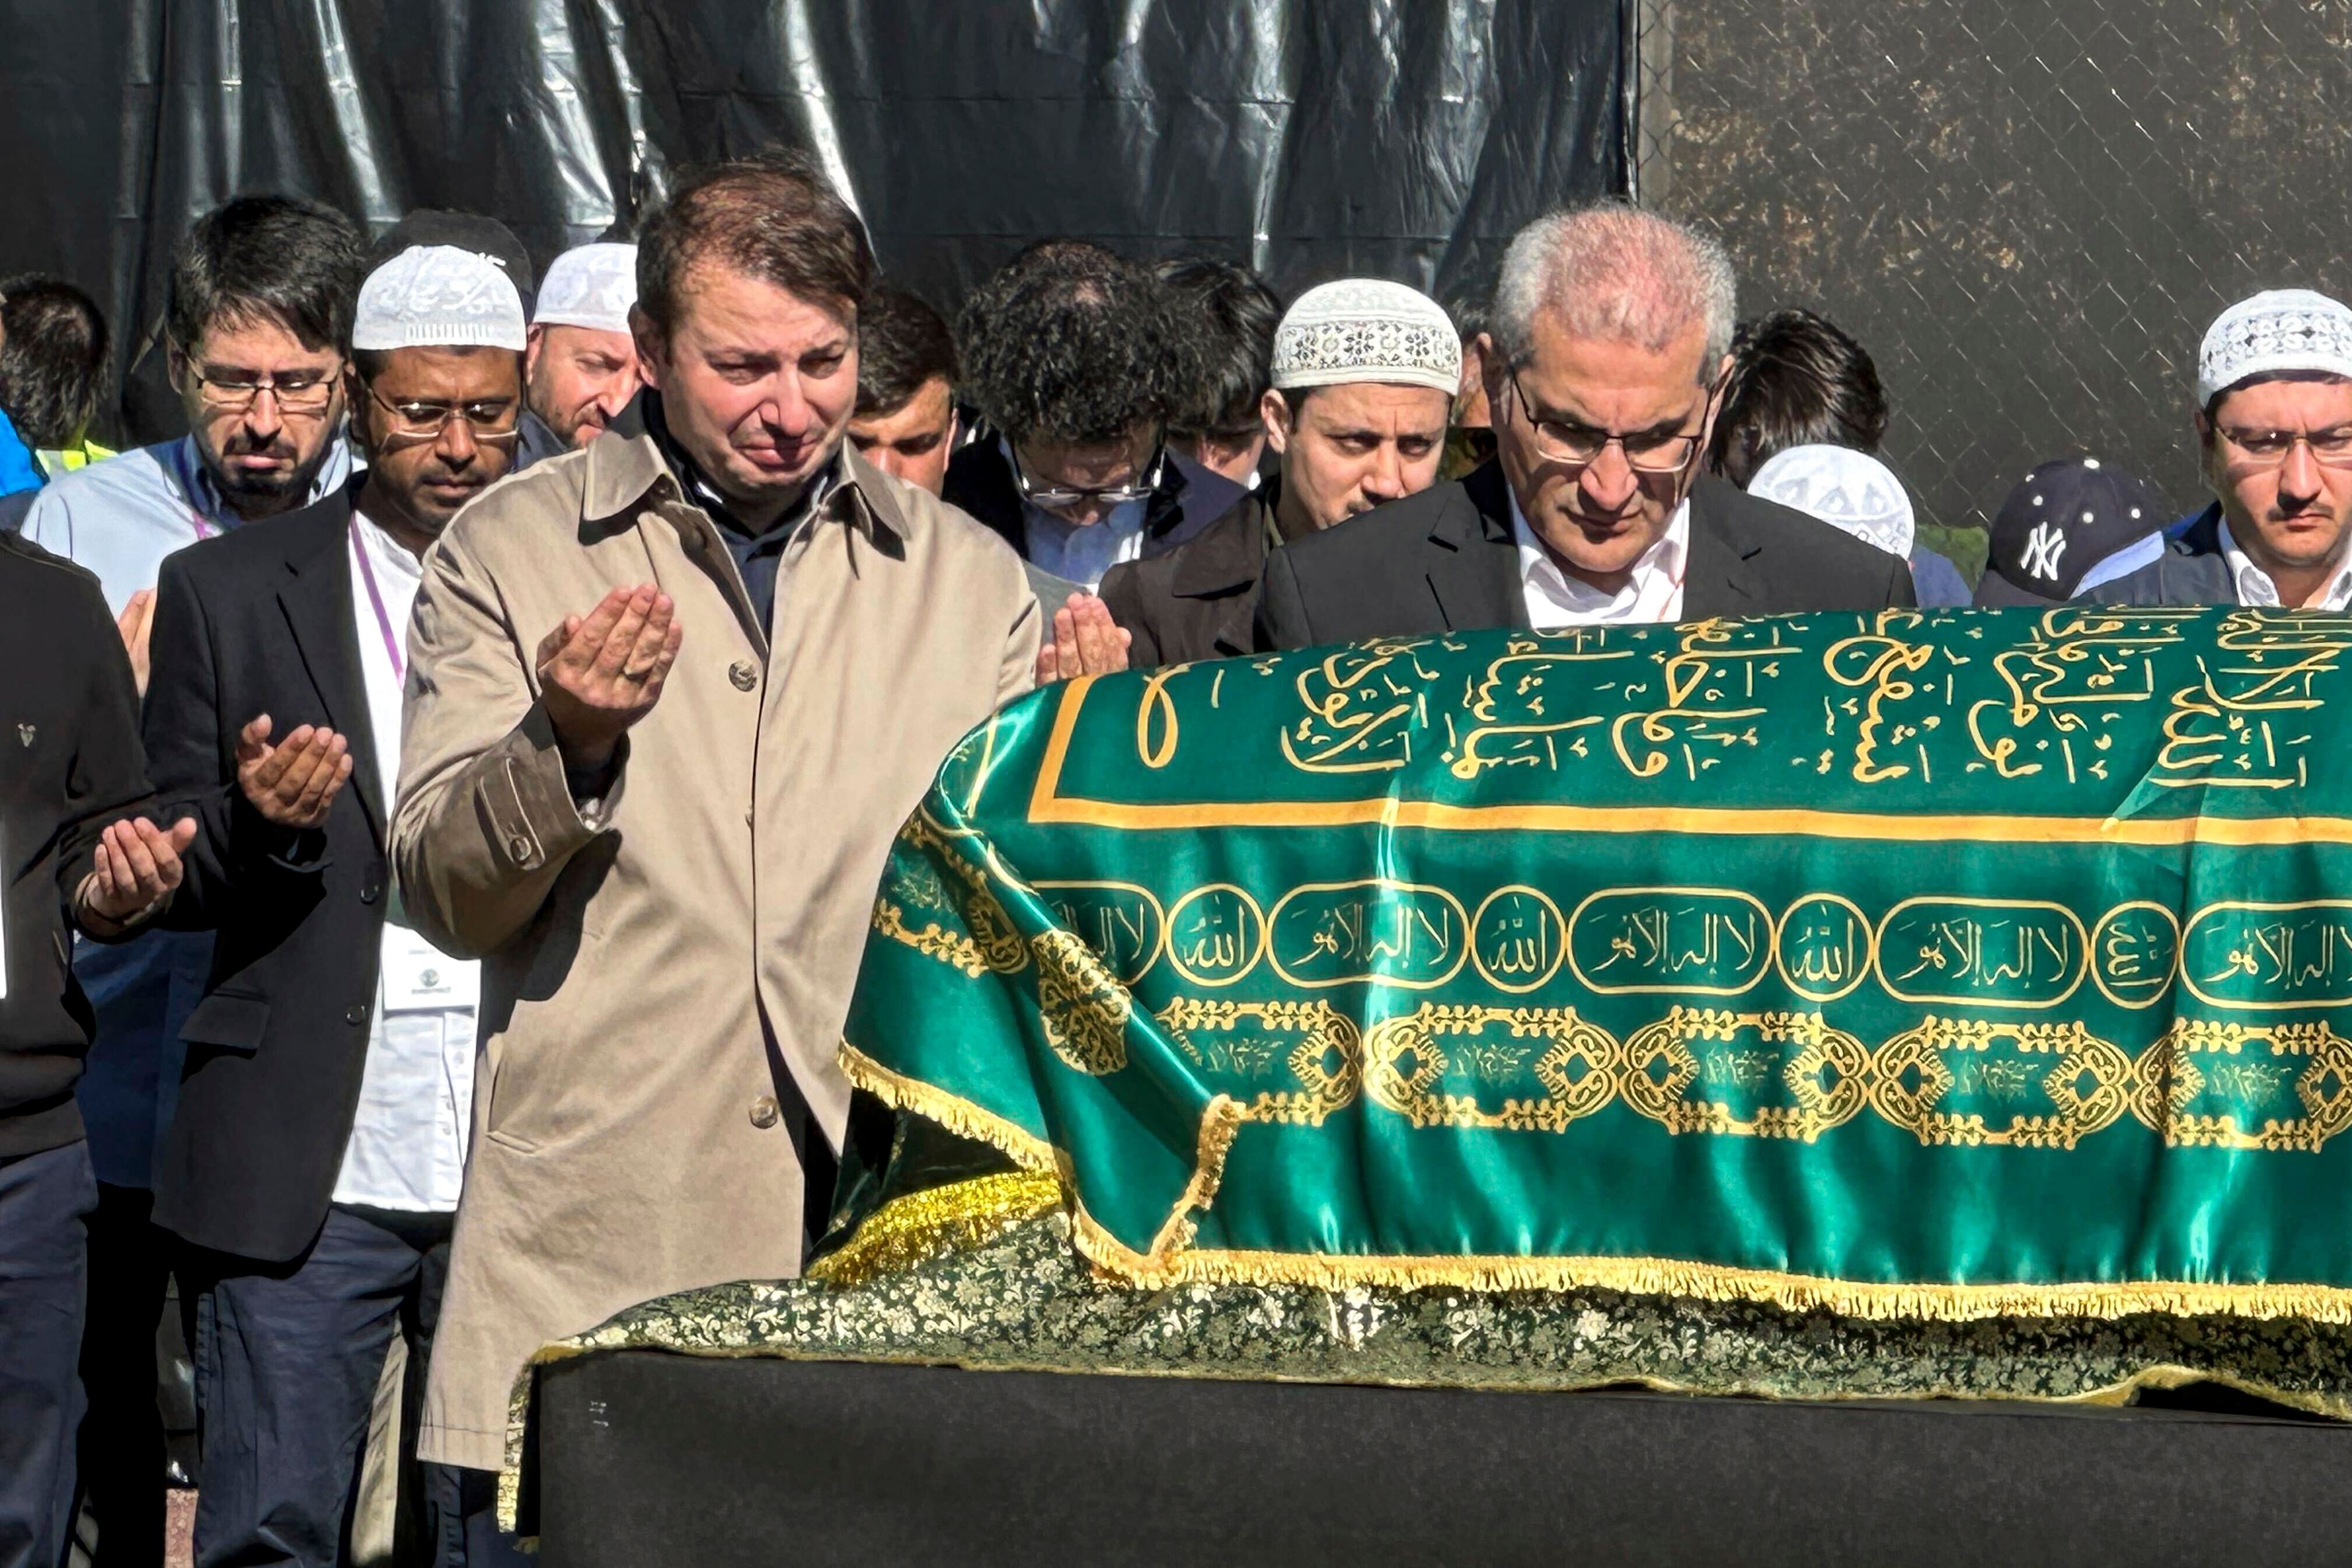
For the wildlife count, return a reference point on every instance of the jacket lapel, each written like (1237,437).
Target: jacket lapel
(316,598)
(1720,578)
(1474,565)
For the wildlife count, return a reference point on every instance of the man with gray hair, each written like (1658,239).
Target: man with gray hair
(1604,365)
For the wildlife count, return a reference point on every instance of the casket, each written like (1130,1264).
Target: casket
(1839,1010)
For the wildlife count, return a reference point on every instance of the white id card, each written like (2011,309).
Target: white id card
(418,976)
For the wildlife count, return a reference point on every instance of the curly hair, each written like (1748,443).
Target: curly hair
(1796,380)
(1069,342)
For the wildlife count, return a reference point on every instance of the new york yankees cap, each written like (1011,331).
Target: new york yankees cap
(2062,519)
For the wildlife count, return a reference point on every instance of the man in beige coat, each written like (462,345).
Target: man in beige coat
(671,697)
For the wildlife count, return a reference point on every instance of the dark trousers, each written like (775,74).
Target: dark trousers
(45,1204)
(121,1444)
(288,1358)
(470,1533)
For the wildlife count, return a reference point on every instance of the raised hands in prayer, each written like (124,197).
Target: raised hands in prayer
(137,867)
(293,783)
(1085,641)
(137,625)
(601,673)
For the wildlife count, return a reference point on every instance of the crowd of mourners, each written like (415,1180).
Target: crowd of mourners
(452,778)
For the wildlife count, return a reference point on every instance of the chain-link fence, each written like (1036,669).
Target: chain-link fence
(2027,212)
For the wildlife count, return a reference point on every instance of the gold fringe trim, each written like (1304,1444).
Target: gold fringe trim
(1710,1282)
(1171,1262)
(1219,1123)
(958,1116)
(909,1230)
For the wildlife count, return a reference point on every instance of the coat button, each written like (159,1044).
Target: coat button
(765,1113)
(519,849)
(356,1013)
(371,893)
(743,673)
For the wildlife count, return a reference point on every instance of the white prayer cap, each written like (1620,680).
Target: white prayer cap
(1367,329)
(2280,329)
(438,296)
(593,286)
(1847,490)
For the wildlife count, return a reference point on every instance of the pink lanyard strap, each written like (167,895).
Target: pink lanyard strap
(375,598)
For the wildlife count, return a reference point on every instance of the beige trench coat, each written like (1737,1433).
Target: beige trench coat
(627,1136)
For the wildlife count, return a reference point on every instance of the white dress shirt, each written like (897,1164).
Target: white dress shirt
(2256,590)
(1081,553)
(407,1148)
(1653,590)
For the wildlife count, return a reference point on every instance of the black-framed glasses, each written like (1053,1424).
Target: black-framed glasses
(1581,446)
(491,419)
(1056,497)
(296,392)
(2331,448)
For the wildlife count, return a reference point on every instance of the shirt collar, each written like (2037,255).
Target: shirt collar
(196,481)
(2254,588)
(622,468)
(1539,571)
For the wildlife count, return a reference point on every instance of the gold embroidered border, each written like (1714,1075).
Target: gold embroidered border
(1171,1262)
(907,1230)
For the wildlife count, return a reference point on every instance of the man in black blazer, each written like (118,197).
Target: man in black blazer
(313,1164)
(1612,336)
(69,732)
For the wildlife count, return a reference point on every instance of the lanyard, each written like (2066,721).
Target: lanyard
(376,598)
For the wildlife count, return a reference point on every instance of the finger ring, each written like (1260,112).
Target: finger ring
(638,675)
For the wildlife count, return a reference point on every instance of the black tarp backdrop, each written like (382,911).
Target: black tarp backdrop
(1311,138)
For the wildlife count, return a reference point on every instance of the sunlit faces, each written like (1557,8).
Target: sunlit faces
(580,379)
(913,441)
(1084,482)
(1598,517)
(264,407)
(757,385)
(2272,452)
(437,425)
(1348,449)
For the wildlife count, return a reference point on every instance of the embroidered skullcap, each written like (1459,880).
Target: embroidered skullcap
(438,296)
(1367,329)
(1847,490)
(591,287)
(2281,330)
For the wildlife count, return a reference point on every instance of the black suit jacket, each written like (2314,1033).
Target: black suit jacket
(1196,602)
(256,621)
(1446,560)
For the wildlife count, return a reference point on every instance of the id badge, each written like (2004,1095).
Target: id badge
(418,976)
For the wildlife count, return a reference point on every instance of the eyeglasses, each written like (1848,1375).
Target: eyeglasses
(2270,449)
(1581,446)
(489,420)
(298,392)
(1056,497)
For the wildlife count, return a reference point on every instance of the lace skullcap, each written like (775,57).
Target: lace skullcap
(590,287)
(1847,490)
(1367,329)
(437,296)
(2281,330)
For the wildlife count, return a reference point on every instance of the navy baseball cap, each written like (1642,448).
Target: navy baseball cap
(2062,519)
